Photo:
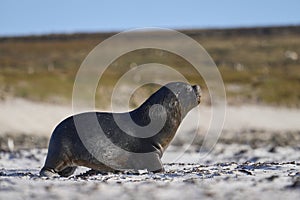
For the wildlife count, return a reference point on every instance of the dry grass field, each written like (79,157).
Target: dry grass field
(258,65)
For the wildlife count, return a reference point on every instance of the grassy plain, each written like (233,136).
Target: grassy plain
(258,65)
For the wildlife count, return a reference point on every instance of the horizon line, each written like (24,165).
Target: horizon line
(112,31)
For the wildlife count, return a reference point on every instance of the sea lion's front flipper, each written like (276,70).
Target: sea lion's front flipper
(122,160)
(144,161)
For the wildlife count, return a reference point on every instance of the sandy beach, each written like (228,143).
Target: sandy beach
(35,118)
(255,157)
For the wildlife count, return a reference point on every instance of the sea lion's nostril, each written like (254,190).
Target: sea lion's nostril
(197,91)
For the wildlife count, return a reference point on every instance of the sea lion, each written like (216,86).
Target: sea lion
(96,139)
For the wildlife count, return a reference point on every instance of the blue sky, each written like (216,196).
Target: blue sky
(24,17)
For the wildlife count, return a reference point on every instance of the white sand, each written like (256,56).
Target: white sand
(242,172)
(229,178)
(22,116)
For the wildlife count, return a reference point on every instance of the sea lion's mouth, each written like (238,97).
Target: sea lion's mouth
(197,91)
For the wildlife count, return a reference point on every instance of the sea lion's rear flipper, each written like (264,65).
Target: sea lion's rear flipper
(47,172)
(68,171)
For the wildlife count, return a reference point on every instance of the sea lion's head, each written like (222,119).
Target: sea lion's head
(177,98)
(181,95)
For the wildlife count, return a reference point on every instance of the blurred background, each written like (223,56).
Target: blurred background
(255,44)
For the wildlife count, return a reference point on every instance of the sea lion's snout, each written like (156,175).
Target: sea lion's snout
(197,91)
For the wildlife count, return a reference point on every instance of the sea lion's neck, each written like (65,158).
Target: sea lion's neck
(171,116)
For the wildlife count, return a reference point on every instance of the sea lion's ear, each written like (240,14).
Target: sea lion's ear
(173,104)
